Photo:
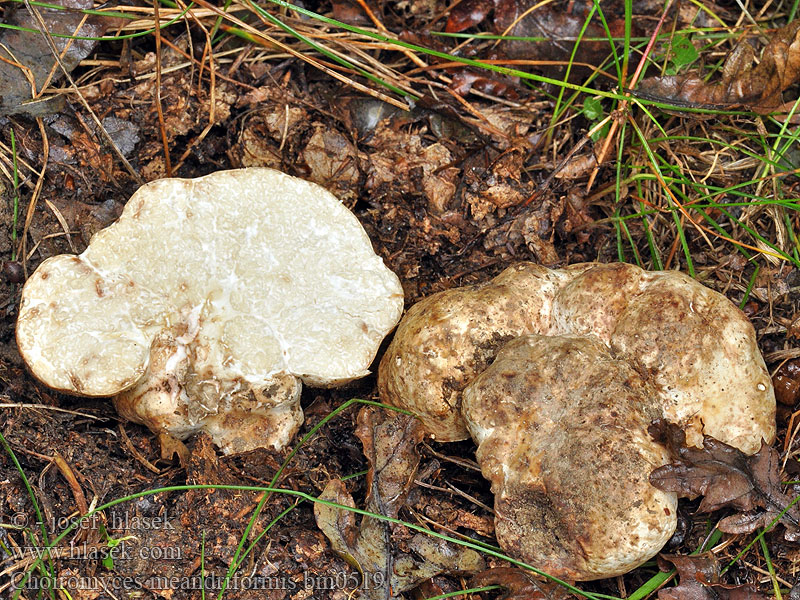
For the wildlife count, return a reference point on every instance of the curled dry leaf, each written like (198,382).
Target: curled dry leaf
(519,585)
(700,580)
(24,54)
(497,85)
(756,88)
(726,477)
(390,447)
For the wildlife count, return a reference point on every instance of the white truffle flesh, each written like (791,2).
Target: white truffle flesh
(212,298)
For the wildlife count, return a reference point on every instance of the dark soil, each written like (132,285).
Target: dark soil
(445,202)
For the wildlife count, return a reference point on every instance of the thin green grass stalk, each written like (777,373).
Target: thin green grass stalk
(711,14)
(722,207)
(262,533)
(792,140)
(716,226)
(611,41)
(309,498)
(488,588)
(792,237)
(654,164)
(40,518)
(760,535)
(750,285)
(475,63)
(753,233)
(218,22)
(557,110)
(85,11)
(739,149)
(266,530)
(240,553)
(325,52)
(626,48)
(614,57)
(618,221)
(711,33)
(771,568)
(15,207)
(105,38)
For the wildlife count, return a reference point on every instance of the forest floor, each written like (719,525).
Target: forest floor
(455,171)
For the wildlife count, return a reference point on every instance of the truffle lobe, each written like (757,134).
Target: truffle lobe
(561,427)
(445,340)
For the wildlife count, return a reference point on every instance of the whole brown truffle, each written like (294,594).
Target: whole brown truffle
(561,415)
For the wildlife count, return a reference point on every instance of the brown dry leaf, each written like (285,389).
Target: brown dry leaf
(496,85)
(699,580)
(726,477)
(755,88)
(390,445)
(400,156)
(560,28)
(519,585)
(468,13)
(25,55)
(787,382)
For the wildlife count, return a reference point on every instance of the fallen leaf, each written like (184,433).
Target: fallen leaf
(519,585)
(390,445)
(468,13)
(726,477)
(694,573)
(465,80)
(699,579)
(756,88)
(559,30)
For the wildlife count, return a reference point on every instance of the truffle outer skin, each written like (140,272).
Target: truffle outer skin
(698,347)
(207,294)
(561,426)
(446,339)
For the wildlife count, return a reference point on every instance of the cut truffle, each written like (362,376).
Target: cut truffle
(208,301)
